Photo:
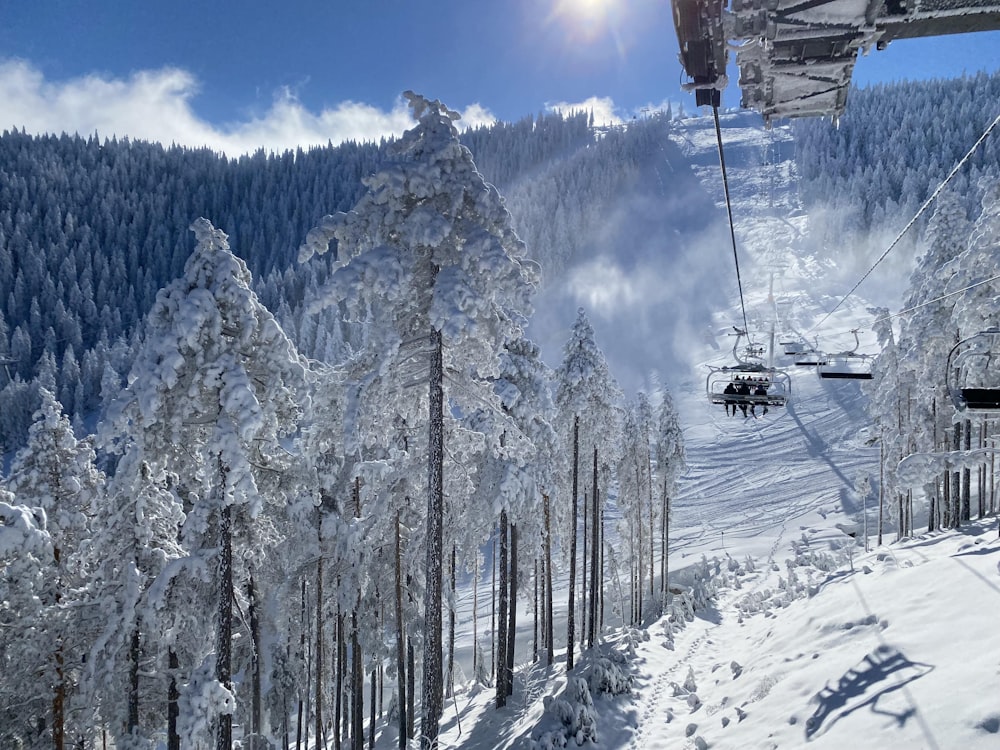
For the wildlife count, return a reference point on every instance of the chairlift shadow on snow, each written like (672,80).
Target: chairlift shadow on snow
(817,448)
(865,685)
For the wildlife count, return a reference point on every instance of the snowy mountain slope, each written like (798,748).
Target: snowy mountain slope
(811,641)
(807,652)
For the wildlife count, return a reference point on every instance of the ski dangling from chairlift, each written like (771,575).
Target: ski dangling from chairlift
(972,377)
(849,365)
(749,383)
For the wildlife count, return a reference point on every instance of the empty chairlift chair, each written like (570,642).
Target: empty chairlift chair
(848,365)
(972,376)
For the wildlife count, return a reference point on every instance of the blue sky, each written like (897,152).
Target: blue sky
(236,75)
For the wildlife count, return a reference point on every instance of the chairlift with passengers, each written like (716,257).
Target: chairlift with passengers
(972,377)
(750,382)
(849,365)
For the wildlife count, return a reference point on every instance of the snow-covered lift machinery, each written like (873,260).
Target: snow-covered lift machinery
(749,381)
(847,365)
(796,57)
(972,376)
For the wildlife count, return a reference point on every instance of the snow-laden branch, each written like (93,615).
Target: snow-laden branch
(920,469)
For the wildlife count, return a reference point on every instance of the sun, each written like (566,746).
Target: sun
(586,19)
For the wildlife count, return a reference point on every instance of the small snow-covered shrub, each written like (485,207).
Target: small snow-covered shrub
(606,677)
(202,700)
(575,711)
(689,682)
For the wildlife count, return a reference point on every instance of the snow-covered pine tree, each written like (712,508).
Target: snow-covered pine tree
(212,392)
(635,497)
(26,565)
(589,405)
(525,389)
(926,336)
(886,410)
(976,309)
(429,260)
(671,462)
(135,537)
(55,472)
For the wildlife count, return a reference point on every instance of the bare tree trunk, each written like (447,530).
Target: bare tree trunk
(956,482)
(493,605)
(652,528)
(639,561)
(357,686)
(451,628)
(475,615)
(400,653)
(547,619)
(371,725)
(881,487)
(981,473)
(133,679)
(59,701)
(411,688)
(665,564)
(501,646)
(600,618)
(534,635)
(59,689)
(318,652)
(433,700)
(570,616)
(512,610)
(256,740)
(173,701)
(967,476)
(993,497)
(224,624)
(933,500)
(584,561)
(303,624)
(596,573)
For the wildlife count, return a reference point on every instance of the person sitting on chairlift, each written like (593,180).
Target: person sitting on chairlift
(744,391)
(730,398)
(761,391)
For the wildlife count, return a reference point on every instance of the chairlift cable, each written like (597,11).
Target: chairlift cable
(909,224)
(908,310)
(729,210)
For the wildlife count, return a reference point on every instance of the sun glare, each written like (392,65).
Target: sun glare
(585,19)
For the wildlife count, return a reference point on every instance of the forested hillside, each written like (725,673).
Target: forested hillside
(90,230)
(891,148)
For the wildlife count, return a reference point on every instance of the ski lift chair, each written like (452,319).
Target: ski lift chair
(723,382)
(810,359)
(972,378)
(847,365)
(776,384)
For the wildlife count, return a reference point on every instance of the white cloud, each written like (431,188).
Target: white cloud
(603,108)
(155,105)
